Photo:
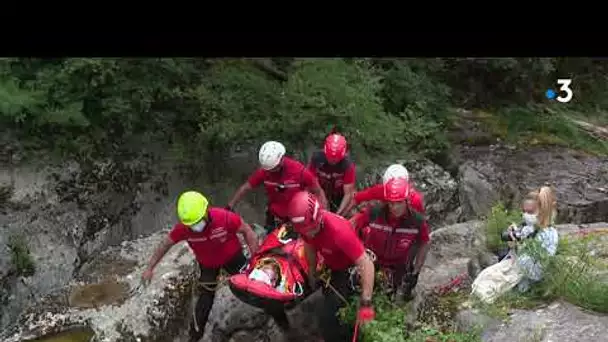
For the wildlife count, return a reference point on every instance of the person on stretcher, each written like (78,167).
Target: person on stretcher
(268,273)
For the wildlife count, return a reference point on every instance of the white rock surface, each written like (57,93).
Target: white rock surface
(149,314)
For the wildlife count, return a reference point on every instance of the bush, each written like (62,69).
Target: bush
(497,222)
(93,106)
(20,256)
(574,274)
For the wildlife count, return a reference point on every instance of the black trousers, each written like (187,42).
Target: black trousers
(332,328)
(334,202)
(207,293)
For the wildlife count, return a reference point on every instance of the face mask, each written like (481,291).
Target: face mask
(530,219)
(260,275)
(199,227)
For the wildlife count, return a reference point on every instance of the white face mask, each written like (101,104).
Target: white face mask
(260,275)
(199,227)
(530,219)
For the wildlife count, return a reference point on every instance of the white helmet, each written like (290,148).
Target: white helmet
(395,171)
(270,154)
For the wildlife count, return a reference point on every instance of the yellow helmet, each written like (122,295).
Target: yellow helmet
(191,207)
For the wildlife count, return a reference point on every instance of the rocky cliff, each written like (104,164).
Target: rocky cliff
(90,228)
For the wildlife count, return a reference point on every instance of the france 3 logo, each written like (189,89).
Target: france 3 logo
(564,89)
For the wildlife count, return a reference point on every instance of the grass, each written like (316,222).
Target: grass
(542,125)
(390,322)
(20,256)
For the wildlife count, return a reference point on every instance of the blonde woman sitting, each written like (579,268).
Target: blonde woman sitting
(522,266)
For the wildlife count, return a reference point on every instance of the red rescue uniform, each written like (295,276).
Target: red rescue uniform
(280,186)
(337,242)
(217,244)
(376,193)
(332,178)
(389,237)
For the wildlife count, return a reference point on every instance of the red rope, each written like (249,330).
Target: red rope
(356,331)
(456,281)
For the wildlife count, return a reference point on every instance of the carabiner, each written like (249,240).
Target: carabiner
(297,289)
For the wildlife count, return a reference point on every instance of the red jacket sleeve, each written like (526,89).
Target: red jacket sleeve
(375,192)
(234,222)
(352,247)
(256,178)
(178,233)
(361,219)
(349,175)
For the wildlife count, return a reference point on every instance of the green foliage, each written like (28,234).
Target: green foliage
(389,324)
(324,92)
(575,274)
(21,258)
(422,102)
(534,125)
(498,220)
(90,106)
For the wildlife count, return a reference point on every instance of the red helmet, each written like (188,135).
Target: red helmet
(335,148)
(304,211)
(396,190)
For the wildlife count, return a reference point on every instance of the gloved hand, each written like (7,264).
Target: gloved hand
(366,312)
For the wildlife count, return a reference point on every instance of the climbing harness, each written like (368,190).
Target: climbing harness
(210,286)
(298,290)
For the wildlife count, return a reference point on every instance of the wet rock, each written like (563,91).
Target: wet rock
(71,212)
(46,233)
(116,308)
(500,172)
(97,295)
(558,322)
(436,184)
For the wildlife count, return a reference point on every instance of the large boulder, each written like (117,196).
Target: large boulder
(452,249)
(435,183)
(559,321)
(232,320)
(106,297)
(505,173)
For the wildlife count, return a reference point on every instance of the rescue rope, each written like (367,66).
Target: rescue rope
(455,282)
(212,286)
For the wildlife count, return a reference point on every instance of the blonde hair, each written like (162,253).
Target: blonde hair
(547,206)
